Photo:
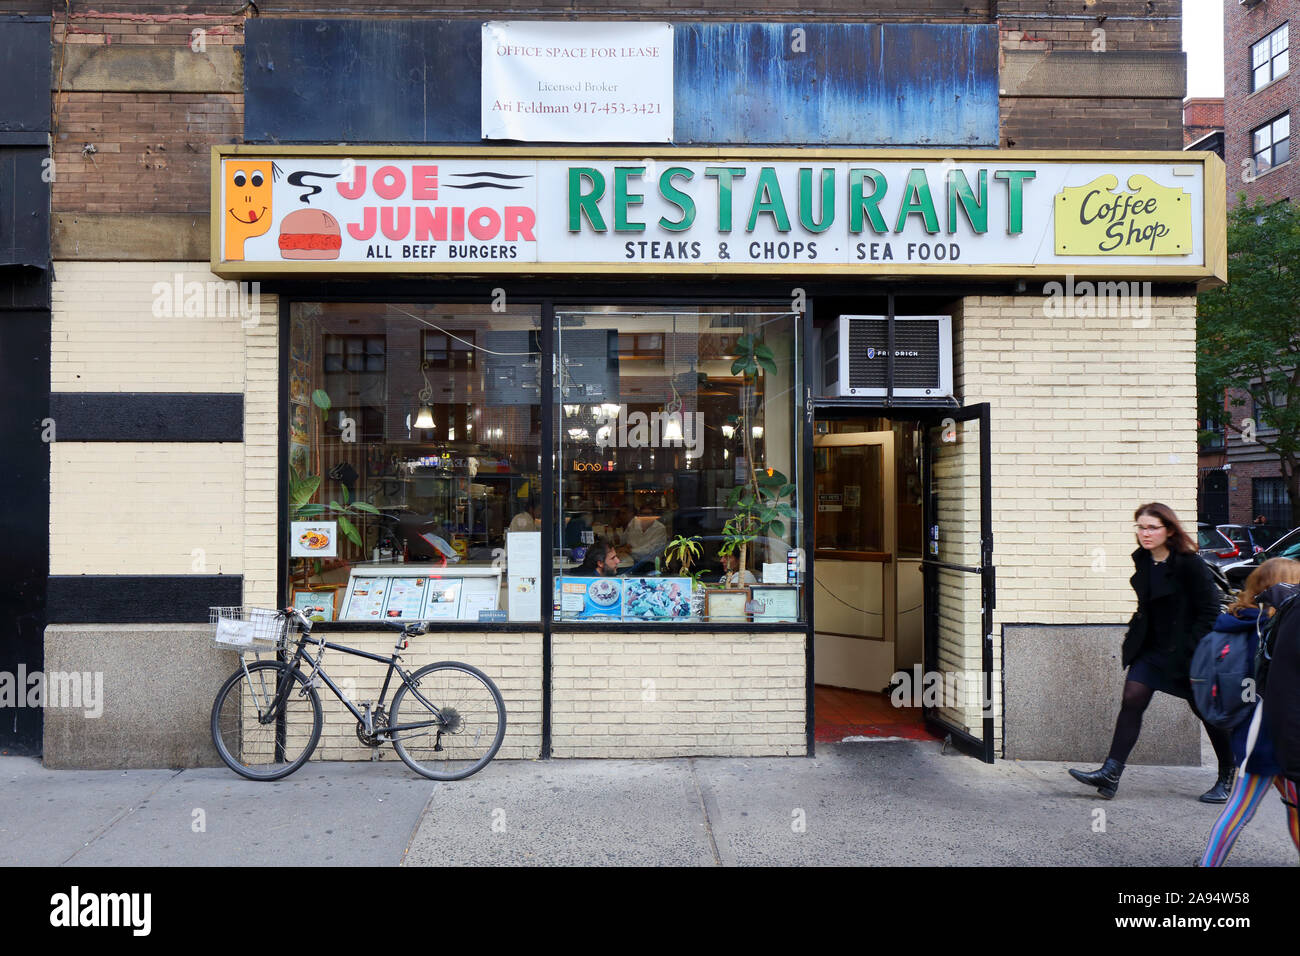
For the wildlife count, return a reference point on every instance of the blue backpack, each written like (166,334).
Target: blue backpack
(1227,678)
(1223,678)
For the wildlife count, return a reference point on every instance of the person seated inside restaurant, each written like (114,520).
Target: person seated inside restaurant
(644,537)
(574,529)
(732,576)
(527,520)
(601,562)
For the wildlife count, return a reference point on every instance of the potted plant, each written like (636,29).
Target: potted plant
(761,502)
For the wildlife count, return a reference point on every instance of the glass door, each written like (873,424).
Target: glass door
(959,579)
(855,541)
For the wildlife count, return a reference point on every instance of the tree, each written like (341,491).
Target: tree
(1248,336)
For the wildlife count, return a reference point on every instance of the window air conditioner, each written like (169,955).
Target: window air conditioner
(854,359)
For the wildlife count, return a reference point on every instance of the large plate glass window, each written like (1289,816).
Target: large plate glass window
(413,462)
(678,446)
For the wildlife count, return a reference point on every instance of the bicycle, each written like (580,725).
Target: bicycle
(267,720)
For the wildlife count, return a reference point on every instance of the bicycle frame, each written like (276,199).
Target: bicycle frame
(316,668)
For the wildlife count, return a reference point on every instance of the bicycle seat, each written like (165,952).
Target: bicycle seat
(412,629)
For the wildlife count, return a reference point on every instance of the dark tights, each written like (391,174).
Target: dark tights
(1129,724)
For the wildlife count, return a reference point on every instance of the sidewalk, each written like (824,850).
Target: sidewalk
(894,803)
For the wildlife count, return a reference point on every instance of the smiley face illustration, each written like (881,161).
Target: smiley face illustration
(248,203)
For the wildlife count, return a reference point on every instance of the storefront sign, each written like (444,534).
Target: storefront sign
(499,211)
(578,82)
(1096,220)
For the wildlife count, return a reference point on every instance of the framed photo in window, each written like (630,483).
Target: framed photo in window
(775,603)
(726,605)
(317,604)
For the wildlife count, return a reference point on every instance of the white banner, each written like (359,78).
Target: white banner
(578,82)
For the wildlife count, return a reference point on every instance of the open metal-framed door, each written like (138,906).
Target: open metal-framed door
(960,584)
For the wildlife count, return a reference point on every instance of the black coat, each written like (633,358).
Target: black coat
(1188,604)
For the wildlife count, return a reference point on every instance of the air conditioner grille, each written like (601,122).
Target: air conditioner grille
(916,353)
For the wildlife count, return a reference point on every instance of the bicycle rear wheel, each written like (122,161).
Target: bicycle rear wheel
(253,737)
(463,721)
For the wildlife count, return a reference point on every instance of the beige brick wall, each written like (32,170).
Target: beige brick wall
(261,338)
(1090,417)
(169,507)
(669,695)
(512,660)
(111,332)
(146,508)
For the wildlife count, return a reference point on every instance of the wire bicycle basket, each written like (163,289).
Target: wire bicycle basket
(248,628)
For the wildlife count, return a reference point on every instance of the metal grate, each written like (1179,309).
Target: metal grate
(916,353)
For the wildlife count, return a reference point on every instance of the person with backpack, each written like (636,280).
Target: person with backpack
(1261,770)
(1178,603)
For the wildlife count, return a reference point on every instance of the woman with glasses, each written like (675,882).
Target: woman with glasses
(1178,603)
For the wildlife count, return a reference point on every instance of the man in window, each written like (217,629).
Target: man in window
(601,562)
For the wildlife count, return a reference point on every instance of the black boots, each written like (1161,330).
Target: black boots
(1222,787)
(1106,780)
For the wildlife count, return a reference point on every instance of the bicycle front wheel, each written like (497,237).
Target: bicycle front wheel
(450,724)
(256,738)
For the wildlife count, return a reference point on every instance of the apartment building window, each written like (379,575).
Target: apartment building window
(1271,143)
(1269,58)
(1269,498)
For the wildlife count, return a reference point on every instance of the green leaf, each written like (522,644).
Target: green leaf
(778,528)
(311,510)
(347,495)
(321,399)
(768,365)
(350,531)
(335,506)
(367,507)
(300,492)
(762,351)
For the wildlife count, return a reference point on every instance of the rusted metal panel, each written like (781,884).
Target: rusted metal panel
(843,84)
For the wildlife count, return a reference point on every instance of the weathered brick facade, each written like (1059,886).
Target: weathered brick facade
(1244,110)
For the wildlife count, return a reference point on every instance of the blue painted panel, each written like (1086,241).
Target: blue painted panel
(417,81)
(859,84)
(361,81)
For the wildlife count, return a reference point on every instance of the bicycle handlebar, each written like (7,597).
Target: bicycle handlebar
(412,629)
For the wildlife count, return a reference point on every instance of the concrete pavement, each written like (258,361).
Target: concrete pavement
(894,803)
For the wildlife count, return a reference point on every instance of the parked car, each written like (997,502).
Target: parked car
(1251,538)
(1215,547)
(1287,546)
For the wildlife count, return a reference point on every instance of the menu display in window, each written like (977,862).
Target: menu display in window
(405,598)
(420,597)
(366,598)
(442,600)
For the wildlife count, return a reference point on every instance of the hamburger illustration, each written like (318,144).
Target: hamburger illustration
(310,234)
